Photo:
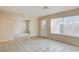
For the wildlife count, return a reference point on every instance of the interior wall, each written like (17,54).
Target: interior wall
(65,38)
(34,26)
(62,14)
(6,24)
(19,26)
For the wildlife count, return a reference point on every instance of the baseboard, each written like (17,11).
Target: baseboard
(5,41)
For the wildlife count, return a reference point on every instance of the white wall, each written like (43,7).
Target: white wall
(7,26)
(33,27)
(19,26)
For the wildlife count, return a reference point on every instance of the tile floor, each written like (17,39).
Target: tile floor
(23,44)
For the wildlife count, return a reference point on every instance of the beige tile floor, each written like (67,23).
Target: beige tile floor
(22,44)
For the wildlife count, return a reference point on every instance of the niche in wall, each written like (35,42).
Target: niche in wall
(21,26)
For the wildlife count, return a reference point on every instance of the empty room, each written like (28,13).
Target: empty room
(39,29)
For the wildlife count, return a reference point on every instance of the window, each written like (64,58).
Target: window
(43,28)
(65,26)
(71,26)
(56,25)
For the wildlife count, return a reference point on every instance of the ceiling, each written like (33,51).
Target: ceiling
(36,10)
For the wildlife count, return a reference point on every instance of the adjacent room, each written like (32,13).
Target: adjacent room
(39,29)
